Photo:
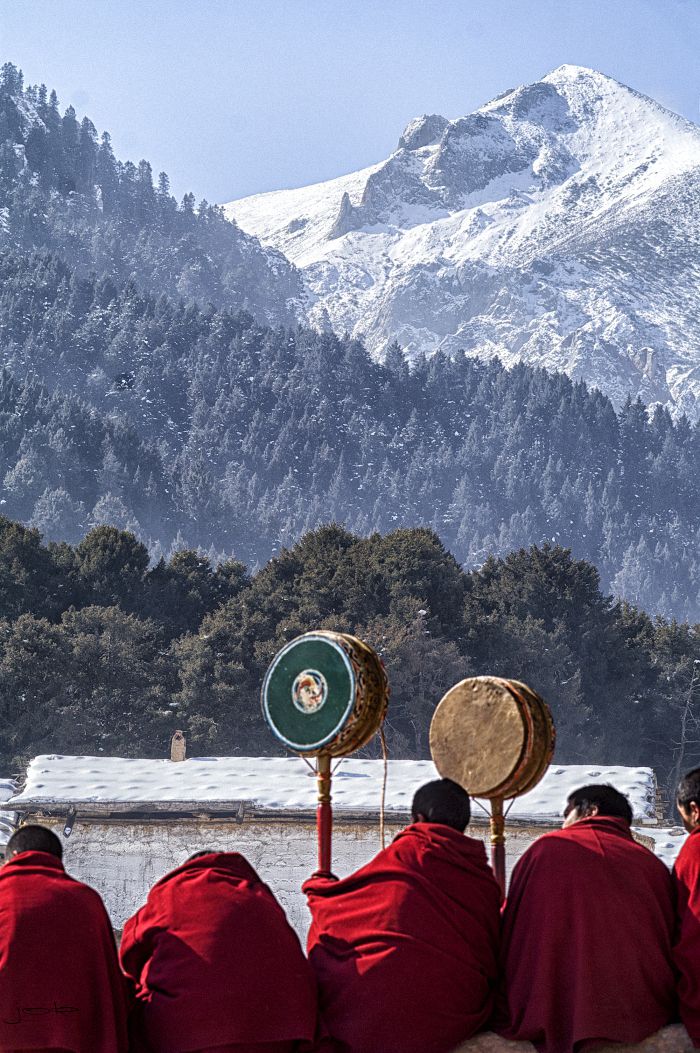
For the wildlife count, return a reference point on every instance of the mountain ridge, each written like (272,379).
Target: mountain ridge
(558,224)
(62,190)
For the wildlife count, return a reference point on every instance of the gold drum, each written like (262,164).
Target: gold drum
(494,737)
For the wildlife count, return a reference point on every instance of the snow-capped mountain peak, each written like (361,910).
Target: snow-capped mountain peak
(558,224)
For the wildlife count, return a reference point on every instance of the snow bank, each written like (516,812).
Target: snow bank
(268,783)
(286,784)
(7,819)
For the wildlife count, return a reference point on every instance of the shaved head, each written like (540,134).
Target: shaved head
(32,838)
(442,801)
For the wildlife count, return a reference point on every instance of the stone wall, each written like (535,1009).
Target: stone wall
(671,1039)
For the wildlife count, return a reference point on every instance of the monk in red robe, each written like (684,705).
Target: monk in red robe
(406,950)
(686,875)
(217,965)
(61,988)
(587,933)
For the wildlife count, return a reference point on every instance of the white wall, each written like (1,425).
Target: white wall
(123,859)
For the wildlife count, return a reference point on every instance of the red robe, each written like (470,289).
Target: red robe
(405,951)
(587,933)
(216,963)
(60,983)
(686,875)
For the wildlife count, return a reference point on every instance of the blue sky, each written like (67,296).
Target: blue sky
(233,97)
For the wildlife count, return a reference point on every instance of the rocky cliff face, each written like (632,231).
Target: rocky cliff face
(559,224)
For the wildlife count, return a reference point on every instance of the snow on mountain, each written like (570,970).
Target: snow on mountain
(558,224)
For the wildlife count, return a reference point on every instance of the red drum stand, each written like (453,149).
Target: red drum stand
(324,817)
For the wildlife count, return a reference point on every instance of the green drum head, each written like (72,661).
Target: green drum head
(309,692)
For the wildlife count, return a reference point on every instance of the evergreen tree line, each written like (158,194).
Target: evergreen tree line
(199,427)
(63,190)
(101,653)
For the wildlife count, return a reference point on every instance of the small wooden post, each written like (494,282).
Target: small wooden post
(324,817)
(498,843)
(178,747)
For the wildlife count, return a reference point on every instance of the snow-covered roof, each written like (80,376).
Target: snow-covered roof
(548,798)
(668,841)
(283,784)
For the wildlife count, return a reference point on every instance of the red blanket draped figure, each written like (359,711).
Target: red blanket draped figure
(587,934)
(405,951)
(686,874)
(60,983)
(216,963)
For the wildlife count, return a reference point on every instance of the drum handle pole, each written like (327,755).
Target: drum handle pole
(498,843)
(324,817)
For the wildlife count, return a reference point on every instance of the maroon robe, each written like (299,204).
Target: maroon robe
(406,950)
(217,964)
(686,875)
(587,933)
(60,983)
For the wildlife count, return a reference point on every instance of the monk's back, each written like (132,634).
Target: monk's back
(216,963)
(587,939)
(687,950)
(405,950)
(59,981)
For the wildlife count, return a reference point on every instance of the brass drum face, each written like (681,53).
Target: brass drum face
(325,692)
(494,737)
(477,734)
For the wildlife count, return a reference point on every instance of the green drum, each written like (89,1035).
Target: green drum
(325,692)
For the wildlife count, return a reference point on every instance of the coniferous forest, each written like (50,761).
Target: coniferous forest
(63,190)
(100,652)
(173,437)
(201,428)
